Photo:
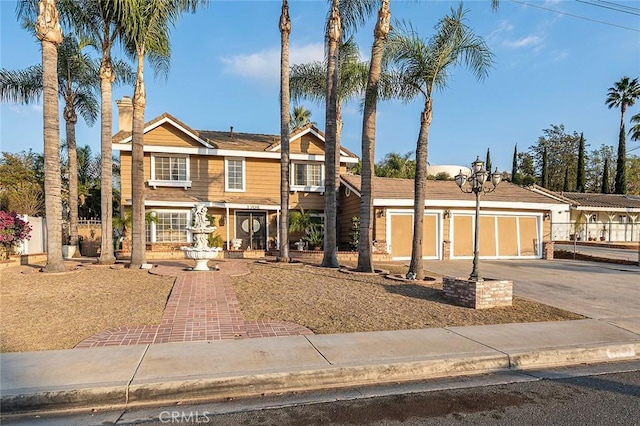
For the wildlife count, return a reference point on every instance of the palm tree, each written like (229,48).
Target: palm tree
(300,117)
(48,31)
(147,37)
(332,143)
(309,81)
(424,65)
(77,77)
(634,131)
(285,30)
(397,166)
(77,85)
(365,242)
(623,94)
(380,34)
(102,22)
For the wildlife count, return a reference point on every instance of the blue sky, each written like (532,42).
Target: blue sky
(550,68)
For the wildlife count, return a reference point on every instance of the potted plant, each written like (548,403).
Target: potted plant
(122,224)
(315,235)
(215,241)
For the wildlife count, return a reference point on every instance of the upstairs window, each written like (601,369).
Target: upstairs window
(307,176)
(170,170)
(234,175)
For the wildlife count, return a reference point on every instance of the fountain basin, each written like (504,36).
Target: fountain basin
(201,256)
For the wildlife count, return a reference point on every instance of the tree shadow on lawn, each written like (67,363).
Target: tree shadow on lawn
(417,292)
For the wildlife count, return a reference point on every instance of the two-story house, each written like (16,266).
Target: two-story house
(236,175)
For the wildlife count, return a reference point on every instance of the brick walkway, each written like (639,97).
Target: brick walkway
(202,306)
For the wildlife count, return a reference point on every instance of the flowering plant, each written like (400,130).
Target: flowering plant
(12,231)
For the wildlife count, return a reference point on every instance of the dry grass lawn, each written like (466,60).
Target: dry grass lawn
(328,301)
(56,311)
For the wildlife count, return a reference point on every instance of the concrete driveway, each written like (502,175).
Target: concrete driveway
(597,290)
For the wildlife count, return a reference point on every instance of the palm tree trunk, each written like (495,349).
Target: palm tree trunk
(285,30)
(365,243)
(138,249)
(416,265)
(49,33)
(71,119)
(334,31)
(106,195)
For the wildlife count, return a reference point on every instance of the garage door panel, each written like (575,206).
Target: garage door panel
(462,236)
(487,236)
(430,236)
(528,236)
(507,236)
(401,234)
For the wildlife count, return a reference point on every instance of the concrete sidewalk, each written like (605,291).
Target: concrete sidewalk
(129,376)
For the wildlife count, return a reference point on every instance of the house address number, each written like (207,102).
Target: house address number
(253,207)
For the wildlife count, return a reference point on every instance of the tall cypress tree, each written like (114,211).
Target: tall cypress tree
(621,176)
(605,177)
(544,179)
(565,187)
(580,176)
(514,165)
(488,165)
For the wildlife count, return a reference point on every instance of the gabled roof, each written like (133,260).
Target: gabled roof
(228,140)
(125,137)
(403,189)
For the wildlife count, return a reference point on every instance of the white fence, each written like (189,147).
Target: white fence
(38,241)
(598,231)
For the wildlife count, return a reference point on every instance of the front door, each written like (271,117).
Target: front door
(251,228)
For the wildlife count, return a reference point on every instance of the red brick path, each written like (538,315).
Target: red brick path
(202,307)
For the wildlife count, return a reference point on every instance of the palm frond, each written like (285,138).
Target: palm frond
(21,86)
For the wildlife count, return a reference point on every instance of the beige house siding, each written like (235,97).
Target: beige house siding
(168,135)
(349,207)
(307,144)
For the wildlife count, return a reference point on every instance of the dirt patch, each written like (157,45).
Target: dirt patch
(328,301)
(41,311)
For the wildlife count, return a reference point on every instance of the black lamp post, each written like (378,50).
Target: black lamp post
(476,184)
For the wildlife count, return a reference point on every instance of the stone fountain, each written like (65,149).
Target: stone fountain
(200,250)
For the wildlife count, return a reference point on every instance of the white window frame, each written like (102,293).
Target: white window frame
(306,188)
(154,229)
(153,182)
(226,174)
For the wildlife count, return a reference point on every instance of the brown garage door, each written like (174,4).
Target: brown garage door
(402,234)
(500,236)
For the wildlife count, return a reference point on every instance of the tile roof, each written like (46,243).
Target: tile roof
(393,188)
(602,200)
(168,194)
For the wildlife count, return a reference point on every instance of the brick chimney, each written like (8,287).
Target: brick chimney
(125,114)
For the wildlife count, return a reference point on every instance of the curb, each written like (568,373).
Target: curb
(256,384)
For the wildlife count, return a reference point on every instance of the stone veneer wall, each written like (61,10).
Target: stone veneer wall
(478,294)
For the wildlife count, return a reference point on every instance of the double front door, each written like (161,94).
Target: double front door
(251,228)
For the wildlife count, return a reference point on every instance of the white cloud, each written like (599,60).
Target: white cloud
(528,41)
(23,109)
(265,64)
(504,26)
